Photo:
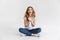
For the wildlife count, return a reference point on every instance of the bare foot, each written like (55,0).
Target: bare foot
(35,35)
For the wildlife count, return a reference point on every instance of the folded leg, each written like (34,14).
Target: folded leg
(35,31)
(25,31)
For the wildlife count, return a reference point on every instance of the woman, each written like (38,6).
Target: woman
(29,23)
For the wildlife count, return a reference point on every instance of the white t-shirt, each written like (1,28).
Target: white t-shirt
(30,26)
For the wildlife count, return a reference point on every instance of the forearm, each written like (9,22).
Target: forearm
(25,24)
(33,24)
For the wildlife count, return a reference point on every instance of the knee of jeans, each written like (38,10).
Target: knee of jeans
(39,29)
(20,29)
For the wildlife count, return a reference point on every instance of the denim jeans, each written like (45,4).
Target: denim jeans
(29,32)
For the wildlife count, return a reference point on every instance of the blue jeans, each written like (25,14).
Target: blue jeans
(29,32)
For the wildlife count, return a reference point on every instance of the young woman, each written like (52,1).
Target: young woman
(29,23)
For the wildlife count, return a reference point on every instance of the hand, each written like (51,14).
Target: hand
(30,19)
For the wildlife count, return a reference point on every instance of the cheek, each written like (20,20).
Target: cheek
(31,10)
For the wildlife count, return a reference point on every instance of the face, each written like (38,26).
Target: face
(30,10)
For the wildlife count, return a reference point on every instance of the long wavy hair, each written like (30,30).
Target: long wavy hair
(27,15)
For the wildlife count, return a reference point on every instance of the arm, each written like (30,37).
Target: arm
(25,22)
(33,22)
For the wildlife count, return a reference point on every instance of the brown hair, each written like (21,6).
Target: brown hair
(26,21)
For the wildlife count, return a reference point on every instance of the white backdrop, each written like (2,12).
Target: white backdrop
(12,13)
